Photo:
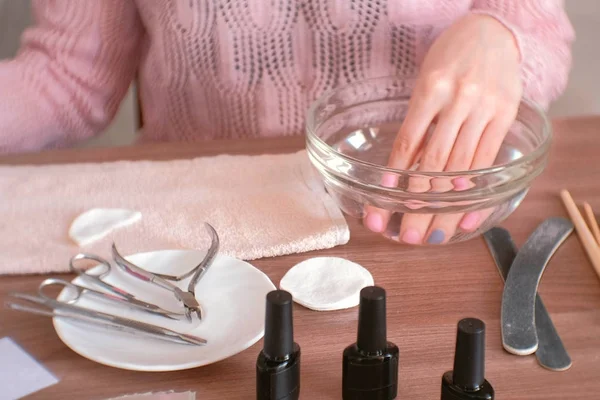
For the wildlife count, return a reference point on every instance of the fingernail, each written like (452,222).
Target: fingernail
(470,221)
(389,180)
(374,222)
(411,236)
(436,237)
(461,184)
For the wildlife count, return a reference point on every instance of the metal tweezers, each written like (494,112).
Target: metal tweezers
(77,291)
(70,312)
(187,298)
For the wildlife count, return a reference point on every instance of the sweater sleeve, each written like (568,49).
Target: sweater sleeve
(544,35)
(73,69)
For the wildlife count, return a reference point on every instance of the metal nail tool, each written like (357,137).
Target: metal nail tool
(70,312)
(204,265)
(187,298)
(77,291)
(518,299)
(96,278)
(551,352)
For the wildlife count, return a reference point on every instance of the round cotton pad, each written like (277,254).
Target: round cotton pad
(96,223)
(326,283)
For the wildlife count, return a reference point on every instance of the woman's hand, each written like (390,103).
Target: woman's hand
(470,85)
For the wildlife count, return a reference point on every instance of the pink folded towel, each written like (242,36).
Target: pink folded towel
(261,206)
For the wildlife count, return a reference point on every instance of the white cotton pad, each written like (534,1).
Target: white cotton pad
(326,283)
(96,223)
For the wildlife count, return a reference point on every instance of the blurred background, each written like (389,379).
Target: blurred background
(580,98)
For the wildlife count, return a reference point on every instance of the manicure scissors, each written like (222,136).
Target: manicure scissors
(75,292)
(96,277)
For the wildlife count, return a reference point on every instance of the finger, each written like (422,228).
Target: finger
(407,146)
(437,150)
(466,144)
(462,183)
(468,139)
(473,220)
(414,227)
(442,184)
(487,151)
(443,227)
(377,219)
(463,152)
(421,112)
(492,138)
(435,157)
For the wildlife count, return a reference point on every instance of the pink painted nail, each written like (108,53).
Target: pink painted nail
(411,236)
(460,184)
(389,180)
(470,221)
(374,222)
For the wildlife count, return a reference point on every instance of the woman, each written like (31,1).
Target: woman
(245,68)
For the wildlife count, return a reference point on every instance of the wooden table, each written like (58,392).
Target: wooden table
(428,292)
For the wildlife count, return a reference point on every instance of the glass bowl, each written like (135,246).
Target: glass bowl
(350,133)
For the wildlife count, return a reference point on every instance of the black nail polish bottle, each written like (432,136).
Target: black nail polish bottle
(370,366)
(467,380)
(278,364)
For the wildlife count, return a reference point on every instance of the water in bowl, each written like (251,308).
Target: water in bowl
(374,144)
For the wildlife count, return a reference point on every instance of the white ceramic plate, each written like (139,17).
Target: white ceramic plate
(232,295)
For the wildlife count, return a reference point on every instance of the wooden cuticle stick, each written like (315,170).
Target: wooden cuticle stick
(585,235)
(592,222)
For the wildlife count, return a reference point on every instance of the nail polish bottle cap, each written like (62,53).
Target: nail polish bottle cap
(372,335)
(370,369)
(469,357)
(278,364)
(279,328)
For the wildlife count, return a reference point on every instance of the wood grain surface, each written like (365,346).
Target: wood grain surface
(429,290)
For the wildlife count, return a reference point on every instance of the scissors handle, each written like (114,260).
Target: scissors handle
(96,279)
(80,290)
(89,257)
(75,290)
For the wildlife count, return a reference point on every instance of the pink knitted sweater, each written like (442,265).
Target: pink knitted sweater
(236,68)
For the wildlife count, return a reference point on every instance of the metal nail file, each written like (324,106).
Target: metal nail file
(518,299)
(551,353)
